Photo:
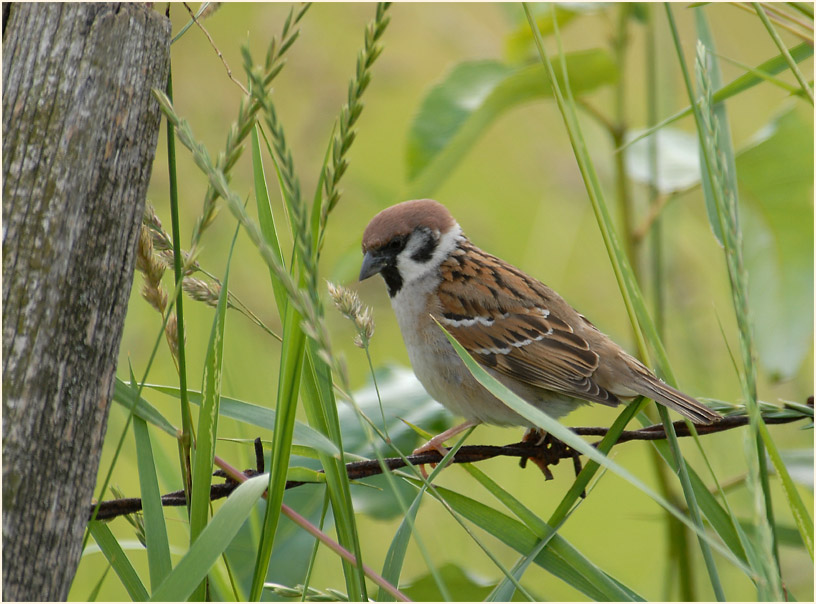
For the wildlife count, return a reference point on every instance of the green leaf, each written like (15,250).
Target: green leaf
(291,364)
(266,219)
(776,183)
(457,111)
(322,413)
(801,512)
(212,541)
(613,591)
(208,418)
(395,557)
(125,396)
(724,146)
(740,84)
(118,560)
(519,46)
(467,586)
(556,557)
(262,417)
(301,474)
(404,400)
(156,542)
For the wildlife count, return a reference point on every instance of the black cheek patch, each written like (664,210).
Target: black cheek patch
(425,253)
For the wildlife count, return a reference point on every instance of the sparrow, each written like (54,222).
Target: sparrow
(522,332)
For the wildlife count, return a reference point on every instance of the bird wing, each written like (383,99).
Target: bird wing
(516,325)
(542,351)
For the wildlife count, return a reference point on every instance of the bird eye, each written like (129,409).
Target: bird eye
(395,245)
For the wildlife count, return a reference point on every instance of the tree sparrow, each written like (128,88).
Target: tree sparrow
(520,330)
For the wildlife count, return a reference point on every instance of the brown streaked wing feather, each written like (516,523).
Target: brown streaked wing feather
(540,351)
(519,334)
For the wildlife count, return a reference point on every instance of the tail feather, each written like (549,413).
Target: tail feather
(672,398)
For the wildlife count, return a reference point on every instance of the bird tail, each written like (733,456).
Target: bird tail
(687,406)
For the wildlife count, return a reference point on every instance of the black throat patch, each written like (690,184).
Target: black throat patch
(393,280)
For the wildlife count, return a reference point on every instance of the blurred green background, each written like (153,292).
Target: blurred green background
(518,194)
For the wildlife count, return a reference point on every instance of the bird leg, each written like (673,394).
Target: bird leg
(549,452)
(436,443)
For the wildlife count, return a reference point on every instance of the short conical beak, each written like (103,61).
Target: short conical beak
(371,266)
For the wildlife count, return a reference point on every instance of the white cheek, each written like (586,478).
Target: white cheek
(411,270)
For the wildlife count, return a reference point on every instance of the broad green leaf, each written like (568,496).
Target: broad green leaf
(404,400)
(118,560)
(262,417)
(518,46)
(467,586)
(776,182)
(457,111)
(212,541)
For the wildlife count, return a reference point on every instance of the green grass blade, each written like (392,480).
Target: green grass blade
(321,411)
(780,44)
(288,387)
(208,417)
(118,560)
(748,80)
(92,597)
(801,514)
(725,202)
(395,557)
(156,542)
(178,276)
(627,283)
(125,396)
(725,146)
(266,219)
(211,543)
(543,531)
(121,439)
(262,417)
(514,534)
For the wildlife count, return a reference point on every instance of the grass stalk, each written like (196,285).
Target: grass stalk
(623,272)
(345,134)
(784,50)
(246,120)
(677,543)
(728,225)
(184,402)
